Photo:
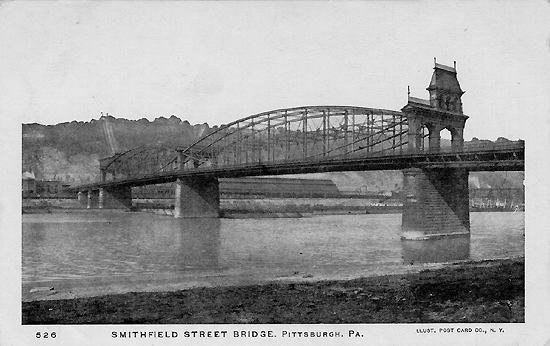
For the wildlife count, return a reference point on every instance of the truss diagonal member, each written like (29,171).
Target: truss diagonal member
(372,144)
(375,138)
(166,165)
(126,162)
(116,162)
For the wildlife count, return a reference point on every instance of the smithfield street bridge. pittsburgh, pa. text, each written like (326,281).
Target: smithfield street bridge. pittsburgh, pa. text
(325,139)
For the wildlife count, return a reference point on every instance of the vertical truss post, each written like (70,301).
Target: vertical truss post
(325,139)
(224,153)
(382,132)
(238,144)
(275,142)
(346,149)
(353,131)
(256,143)
(286,136)
(401,134)
(253,136)
(370,127)
(394,129)
(268,137)
(304,132)
(212,149)
(180,161)
(250,144)
(246,148)
(368,131)
(328,130)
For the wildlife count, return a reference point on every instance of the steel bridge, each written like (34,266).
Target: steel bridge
(314,139)
(304,140)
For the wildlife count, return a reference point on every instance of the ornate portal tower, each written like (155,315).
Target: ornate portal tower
(427,118)
(436,201)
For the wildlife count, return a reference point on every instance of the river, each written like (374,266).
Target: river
(99,252)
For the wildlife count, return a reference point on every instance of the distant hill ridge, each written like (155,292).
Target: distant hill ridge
(70,152)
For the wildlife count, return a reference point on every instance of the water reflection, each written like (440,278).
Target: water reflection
(126,245)
(436,250)
(199,243)
(170,245)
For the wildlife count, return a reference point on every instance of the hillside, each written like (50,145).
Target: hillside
(70,151)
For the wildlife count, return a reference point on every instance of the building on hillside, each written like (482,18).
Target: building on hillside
(29,187)
(32,188)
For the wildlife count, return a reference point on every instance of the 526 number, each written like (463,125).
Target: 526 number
(45,335)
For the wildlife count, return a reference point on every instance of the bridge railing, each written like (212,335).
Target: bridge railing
(485,146)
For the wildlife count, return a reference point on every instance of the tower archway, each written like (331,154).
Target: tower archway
(425,137)
(446,138)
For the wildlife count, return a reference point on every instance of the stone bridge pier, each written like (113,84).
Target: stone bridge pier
(106,198)
(119,197)
(197,197)
(435,204)
(90,198)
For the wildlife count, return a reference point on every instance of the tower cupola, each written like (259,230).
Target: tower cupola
(445,91)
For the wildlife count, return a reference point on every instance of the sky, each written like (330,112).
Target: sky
(219,61)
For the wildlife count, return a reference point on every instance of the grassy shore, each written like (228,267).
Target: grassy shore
(488,291)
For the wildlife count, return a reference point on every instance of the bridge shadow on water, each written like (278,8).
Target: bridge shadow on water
(436,250)
(199,243)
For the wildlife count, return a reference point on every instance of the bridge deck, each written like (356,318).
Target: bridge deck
(498,157)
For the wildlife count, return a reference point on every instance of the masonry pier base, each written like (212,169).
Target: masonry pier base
(435,204)
(197,197)
(82,199)
(93,199)
(119,197)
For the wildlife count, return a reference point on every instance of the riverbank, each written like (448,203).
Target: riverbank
(254,208)
(483,291)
